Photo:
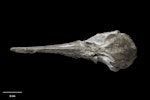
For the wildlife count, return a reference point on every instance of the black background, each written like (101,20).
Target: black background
(49,75)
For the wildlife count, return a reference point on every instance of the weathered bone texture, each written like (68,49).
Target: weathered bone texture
(115,49)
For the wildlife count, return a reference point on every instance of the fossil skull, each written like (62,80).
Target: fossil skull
(115,49)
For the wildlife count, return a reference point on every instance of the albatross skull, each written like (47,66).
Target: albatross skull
(115,49)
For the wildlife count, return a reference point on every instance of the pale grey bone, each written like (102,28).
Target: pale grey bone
(115,49)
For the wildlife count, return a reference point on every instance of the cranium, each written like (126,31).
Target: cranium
(115,49)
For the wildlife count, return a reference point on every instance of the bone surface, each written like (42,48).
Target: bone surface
(115,49)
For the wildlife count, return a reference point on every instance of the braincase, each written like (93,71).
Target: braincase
(121,46)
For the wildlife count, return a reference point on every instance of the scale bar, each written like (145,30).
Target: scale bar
(12,92)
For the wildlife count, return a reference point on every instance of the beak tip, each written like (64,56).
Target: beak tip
(12,49)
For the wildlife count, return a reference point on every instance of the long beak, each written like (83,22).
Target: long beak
(68,49)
